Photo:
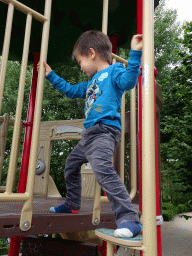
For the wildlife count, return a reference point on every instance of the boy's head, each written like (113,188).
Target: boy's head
(95,40)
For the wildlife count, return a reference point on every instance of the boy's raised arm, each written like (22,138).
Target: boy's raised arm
(137,42)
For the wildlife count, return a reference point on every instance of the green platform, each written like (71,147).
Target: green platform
(108,235)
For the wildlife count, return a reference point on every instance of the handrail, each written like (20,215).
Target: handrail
(25,9)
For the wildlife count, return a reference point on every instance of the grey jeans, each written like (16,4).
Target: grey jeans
(97,147)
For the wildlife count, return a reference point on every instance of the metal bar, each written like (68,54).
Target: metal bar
(119,59)
(14,246)
(25,9)
(110,249)
(5,51)
(15,146)
(148,134)
(14,197)
(139,107)
(133,145)
(139,123)
(157,171)
(122,154)
(96,207)
(26,214)
(28,132)
(97,192)
(3,138)
(105,16)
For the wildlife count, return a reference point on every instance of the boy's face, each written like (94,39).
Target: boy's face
(88,64)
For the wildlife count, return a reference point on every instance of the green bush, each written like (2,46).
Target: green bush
(169,211)
(182,208)
(3,246)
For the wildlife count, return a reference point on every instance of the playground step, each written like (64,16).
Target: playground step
(108,235)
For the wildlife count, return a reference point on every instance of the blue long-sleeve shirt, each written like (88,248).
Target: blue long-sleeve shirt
(103,92)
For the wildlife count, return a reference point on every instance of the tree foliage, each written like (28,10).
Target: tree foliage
(166,29)
(176,125)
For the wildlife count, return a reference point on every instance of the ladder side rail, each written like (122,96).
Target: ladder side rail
(16,133)
(5,51)
(26,214)
(25,9)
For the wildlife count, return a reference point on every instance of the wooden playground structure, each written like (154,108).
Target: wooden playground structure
(20,214)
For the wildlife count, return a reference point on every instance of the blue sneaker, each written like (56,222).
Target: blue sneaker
(63,209)
(128,229)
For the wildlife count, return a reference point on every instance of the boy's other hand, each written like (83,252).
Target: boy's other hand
(47,68)
(137,42)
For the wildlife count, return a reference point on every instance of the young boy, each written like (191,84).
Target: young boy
(102,94)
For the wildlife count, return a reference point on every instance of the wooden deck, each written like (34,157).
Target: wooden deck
(44,222)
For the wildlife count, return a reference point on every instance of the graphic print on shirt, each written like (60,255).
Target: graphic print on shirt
(91,96)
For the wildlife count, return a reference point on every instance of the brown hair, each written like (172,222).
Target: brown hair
(96,40)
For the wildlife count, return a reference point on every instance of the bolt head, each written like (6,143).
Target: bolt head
(26,225)
(96,221)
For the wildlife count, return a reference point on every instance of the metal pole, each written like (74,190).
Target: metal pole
(158,205)
(29,125)
(148,134)
(105,16)
(133,145)
(139,103)
(110,249)
(5,51)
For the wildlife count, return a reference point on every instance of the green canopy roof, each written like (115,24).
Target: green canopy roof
(69,20)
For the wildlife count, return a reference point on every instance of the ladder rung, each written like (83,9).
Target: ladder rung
(25,9)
